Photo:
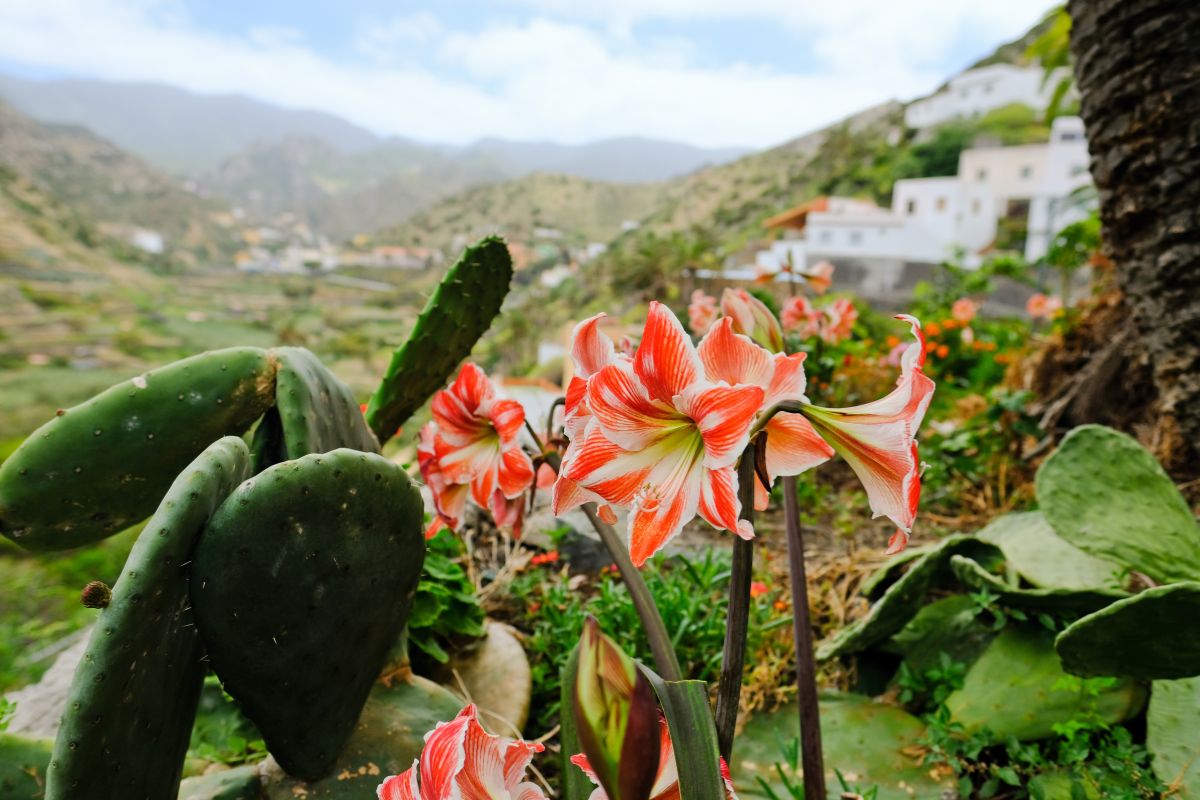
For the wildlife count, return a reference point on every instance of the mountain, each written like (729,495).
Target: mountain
(110,190)
(173,128)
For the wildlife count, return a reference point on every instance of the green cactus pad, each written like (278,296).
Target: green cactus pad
(1154,634)
(459,312)
(1040,556)
(314,413)
(129,715)
(1173,736)
(240,783)
(301,583)
(102,466)
(871,743)
(905,597)
(1080,601)
(1017,688)
(388,737)
(950,625)
(1105,494)
(22,767)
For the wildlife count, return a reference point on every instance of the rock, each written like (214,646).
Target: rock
(389,735)
(870,743)
(495,675)
(39,706)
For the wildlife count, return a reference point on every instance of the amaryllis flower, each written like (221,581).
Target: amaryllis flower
(877,439)
(666,782)
(662,440)
(819,276)
(462,761)
(752,318)
(473,441)
(792,444)
(964,310)
(838,324)
(1042,307)
(800,317)
(702,312)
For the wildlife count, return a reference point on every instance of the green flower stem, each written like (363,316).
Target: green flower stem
(806,666)
(643,602)
(738,615)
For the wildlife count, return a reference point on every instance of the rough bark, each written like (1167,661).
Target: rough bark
(1137,67)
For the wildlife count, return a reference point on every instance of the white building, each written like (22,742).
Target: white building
(978,91)
(1035,185)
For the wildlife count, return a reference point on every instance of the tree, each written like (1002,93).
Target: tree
(1137,68)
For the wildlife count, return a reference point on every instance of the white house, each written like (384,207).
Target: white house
(1035,185)
(978,91)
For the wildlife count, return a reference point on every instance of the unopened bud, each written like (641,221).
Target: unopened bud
(96,595)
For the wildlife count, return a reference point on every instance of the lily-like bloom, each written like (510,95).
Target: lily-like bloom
(878,439)
(800,317)
(702,312)
(473,441)
(752,318)
(666,781)
(792,444)
(462,761)
(839,320)
(662,440)
(819,276)
(1042,307)
(964,310)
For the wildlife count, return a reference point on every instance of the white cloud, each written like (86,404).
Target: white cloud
(540,79)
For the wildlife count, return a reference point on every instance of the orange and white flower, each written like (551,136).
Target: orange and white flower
(838,324)
(666,781)
(462,761)
(819,276)
(1042,307)
(800,317)
(752,318)
(472,441)
(662,440)
(964,310)
(702,312)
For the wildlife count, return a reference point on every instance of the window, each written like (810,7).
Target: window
(825,237)
(981,174)
(1026,172)
(855,237)
(941,204)
(975,206)
(912,207)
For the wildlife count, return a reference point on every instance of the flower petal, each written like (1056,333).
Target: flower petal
(400,787)
(752,318)
(719,503)
(665,361)
(669,498)
(788,381)
(621,405)
(442,759)
(591,349)
(734,358)
(607,470)
(507,418)
(723,415)
(793,446)
(515,473)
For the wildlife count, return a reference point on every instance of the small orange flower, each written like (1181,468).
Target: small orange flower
(550,557)
(758,589)
(780,605)
(933,329)
(949,324)
(943,351)
(892,341)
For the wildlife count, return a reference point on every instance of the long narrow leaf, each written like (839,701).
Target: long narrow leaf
(575,785)
(694,736)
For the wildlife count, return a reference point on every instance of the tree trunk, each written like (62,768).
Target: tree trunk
(1137,67)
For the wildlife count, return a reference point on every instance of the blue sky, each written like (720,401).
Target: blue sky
(711,72)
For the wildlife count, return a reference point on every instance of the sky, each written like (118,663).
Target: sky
(710,72)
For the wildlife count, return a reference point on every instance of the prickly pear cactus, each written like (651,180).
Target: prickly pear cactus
(1105,494)
(1154,634)
(102,466)
(133,699)
(314,413)
(459,312)
(301,583)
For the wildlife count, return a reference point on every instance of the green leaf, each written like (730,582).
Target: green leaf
(1171,734)
(1104,493)
(693,735)
(575,785)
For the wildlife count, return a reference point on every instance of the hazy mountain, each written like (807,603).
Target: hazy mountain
(173,128)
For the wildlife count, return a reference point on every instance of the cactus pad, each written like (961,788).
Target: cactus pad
(22,767)
(301,583)
(102,466)
(314,413)
(1040,556)
(1105,494)
(129,716)
(1079,601)
(1154,634)
(459,312)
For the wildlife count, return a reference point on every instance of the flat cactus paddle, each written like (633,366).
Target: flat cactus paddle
(301,584)
(129,717)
